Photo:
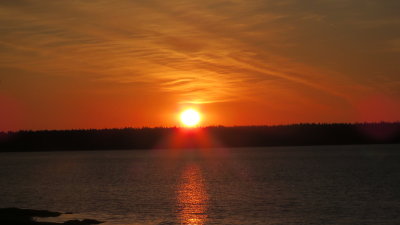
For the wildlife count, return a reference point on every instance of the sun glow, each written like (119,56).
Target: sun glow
(190,118)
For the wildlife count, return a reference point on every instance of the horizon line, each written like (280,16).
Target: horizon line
(205,127)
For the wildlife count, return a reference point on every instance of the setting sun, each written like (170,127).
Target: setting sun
(190,118)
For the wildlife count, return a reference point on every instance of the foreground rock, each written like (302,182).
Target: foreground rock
(16,216)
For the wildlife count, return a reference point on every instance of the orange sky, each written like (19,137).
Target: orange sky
(102,64)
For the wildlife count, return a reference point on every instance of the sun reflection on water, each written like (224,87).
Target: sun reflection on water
(192,197)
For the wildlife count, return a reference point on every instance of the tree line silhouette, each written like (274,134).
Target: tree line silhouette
(214,136)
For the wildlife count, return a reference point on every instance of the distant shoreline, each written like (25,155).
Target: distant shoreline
(204,137)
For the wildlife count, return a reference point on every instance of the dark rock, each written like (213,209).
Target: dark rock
(16,216)
(28,212)
(82,222)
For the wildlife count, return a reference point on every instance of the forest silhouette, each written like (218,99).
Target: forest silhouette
(214,136)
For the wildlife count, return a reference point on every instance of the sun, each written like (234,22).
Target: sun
(190,118)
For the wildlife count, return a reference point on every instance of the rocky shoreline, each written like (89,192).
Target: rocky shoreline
(16,216)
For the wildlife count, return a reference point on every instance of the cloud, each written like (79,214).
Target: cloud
(202,51)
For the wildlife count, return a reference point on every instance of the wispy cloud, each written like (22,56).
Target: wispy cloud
(208,51)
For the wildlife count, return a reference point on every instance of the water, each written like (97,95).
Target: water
(279,185)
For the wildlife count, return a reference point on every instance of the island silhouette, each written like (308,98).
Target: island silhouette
(202,137)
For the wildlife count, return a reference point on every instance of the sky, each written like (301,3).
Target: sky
(73,64)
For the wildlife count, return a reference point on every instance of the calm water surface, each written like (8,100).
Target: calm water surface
(280,185)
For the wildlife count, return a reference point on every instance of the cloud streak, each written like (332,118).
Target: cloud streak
(210,52)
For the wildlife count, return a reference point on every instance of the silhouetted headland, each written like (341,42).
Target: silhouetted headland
(219,136)
(16,216)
